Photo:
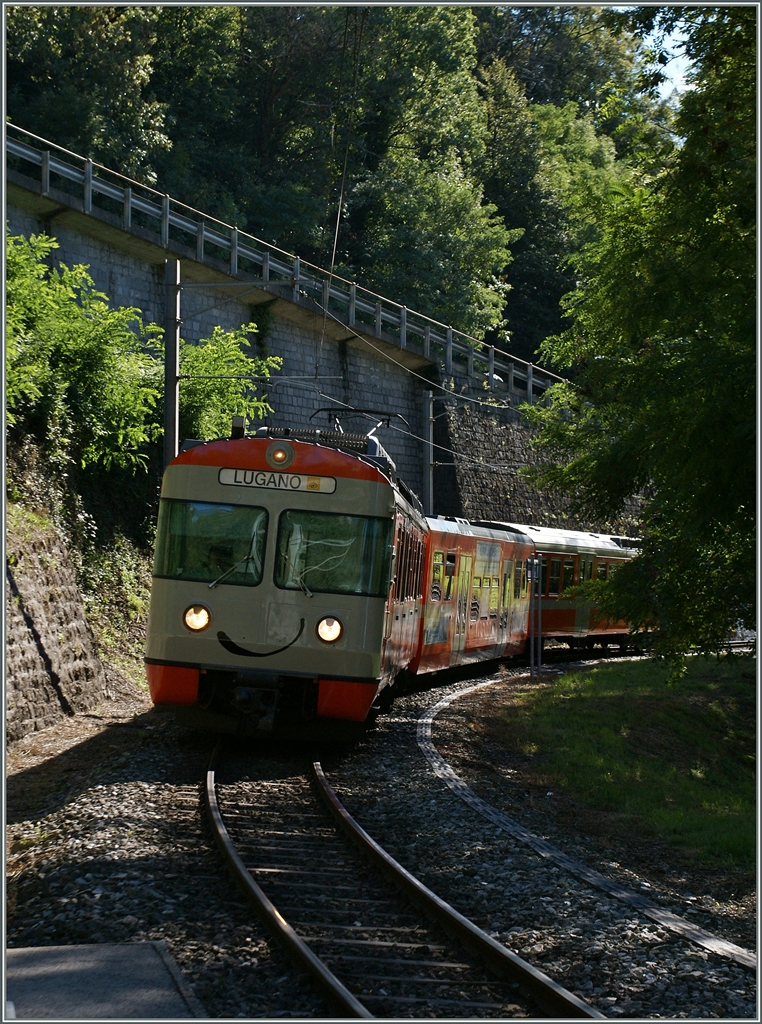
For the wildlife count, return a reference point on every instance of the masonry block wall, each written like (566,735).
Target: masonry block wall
(485,480)
(52,669)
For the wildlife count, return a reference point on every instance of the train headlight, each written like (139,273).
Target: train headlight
(329,629)
(197,617)
(279,455)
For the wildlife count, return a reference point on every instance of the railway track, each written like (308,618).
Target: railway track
(375,941)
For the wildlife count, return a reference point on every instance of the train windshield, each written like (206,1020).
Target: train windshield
(210,543)
(333,554)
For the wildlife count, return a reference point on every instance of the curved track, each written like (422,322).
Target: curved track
(686,929)
(371,950)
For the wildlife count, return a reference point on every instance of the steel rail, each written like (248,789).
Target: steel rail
(552,997)
(332,988)
(666,918)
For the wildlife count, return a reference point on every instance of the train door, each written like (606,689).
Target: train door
(519,607)
(462,608)
(505,601)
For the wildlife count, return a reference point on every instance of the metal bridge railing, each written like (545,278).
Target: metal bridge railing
(141,209)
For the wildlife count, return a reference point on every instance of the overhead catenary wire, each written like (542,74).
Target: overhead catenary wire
(416,437)
(349,126)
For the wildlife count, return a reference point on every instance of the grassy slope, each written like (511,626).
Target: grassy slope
(676,763)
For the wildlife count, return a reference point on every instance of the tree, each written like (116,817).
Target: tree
(432,243)
(662,348)
(559,54)
(80,76)
(223,376)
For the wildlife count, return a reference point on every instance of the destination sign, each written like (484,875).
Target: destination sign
(277,481)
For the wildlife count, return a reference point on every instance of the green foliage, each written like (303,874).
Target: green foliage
(86,381)
(663,353)
(400,124)
(80,377)
(81,75)
(115,581)
(207,405)
(578,165)
(435,246)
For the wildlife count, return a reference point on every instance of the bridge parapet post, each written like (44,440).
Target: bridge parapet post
(45,176)
(87,201)
(297,275)
(165,221)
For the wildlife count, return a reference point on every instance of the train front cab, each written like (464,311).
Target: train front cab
(476,596)
(270,600)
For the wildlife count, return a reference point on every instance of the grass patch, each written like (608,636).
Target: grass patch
(676,763)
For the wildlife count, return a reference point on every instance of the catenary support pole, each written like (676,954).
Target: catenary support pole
(532,588)
(428,453)
(171,359)
(539,614)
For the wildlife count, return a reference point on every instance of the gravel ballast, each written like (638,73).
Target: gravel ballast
(106,842)
(619,961)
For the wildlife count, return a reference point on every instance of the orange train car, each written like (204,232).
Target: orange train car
(476,595)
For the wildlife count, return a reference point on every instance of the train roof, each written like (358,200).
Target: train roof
(493,531)
(549,539)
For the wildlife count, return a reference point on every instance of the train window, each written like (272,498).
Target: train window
(582,570)
(449,574)
(602,573)
(524,578)
(554,587)
(334,554)
(208,542)
(437,571)
(568,573)
(421,566)
(413,568)
(410,565)
(517,579)
(476,588)
(402,547)
(544,577)
(508,569)
(494,597)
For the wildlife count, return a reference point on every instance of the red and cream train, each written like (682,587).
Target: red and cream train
(295,581)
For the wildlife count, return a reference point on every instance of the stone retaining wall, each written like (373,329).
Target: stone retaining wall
(51,668)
